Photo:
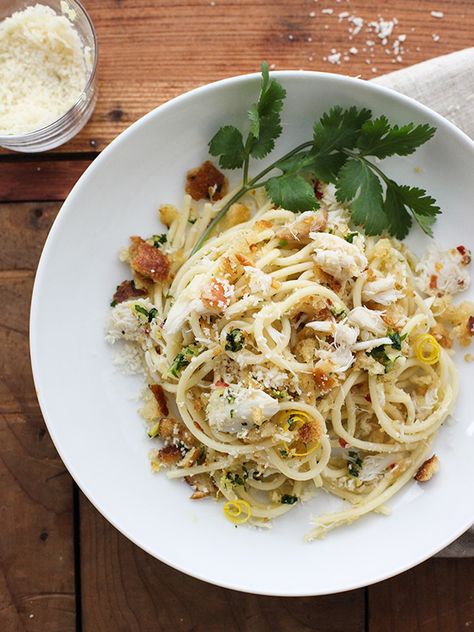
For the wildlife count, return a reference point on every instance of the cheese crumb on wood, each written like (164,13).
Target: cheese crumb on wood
(43,69)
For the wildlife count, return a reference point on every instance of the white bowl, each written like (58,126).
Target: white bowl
(90,408)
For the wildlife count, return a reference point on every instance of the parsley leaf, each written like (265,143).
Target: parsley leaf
(228,144)
(398,199)
(265,127)
(379,138)
(423,206)
(358,183)
(292,193)
(339,129)
(269,130)
(342,141)
(399,220)
(264,116)
(327,167)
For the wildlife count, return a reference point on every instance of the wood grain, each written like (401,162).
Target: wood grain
(437,596)
(37,592)
(151,50)
(126,590)
(24,227)
(27,181)
(36,548)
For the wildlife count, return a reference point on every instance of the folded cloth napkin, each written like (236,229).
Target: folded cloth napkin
(446,85)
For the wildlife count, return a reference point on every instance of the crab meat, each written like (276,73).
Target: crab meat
(367,320)
(236,409)
(338,257)
(382,291)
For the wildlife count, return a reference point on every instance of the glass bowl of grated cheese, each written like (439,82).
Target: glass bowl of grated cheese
(48,62)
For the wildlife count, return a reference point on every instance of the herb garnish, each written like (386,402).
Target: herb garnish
(278,394)
(287,499)
(396,339)
(234,478)
(354,463)
(343,139)
(150,315)
(183,358)
(159,240)
(350,237)
(380,354)
(234,340)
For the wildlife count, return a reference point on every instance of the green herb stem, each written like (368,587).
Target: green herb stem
(246,187)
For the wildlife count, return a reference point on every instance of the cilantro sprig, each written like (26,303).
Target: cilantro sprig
(343,143)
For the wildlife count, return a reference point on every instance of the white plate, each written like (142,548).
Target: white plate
(90,408)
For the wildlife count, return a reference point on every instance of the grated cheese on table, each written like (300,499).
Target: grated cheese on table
(43,69)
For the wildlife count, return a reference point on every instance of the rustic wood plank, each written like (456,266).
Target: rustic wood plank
(126,590)
(24,228)
(437,596)
(37,592)
(17,393)
(36,547)
(39,180)
(151,51)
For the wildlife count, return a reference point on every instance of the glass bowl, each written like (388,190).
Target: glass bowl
(73,120)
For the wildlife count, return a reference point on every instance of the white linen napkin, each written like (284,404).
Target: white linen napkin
(446,85)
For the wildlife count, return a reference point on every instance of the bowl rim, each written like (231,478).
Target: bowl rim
(34,332)
(45,130)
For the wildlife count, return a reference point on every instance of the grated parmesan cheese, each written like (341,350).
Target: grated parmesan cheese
(43,69)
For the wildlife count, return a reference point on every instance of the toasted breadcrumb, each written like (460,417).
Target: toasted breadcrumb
(160,398)
(237,214)
(427,469)
(206,182)
(168,213)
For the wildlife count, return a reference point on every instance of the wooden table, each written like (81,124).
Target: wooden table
(63,567)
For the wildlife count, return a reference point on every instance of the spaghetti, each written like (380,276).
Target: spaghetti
(301,356)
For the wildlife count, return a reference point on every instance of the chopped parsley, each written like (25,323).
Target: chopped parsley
(396,339)
(287,499)
(278,394)
(350,237)
(282,243)
(159,240)
(380,353)
(192,220)
(234,478)
(283,452)
(234,340)
(150,315)
(354,463)
(113,303)
(183,358)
